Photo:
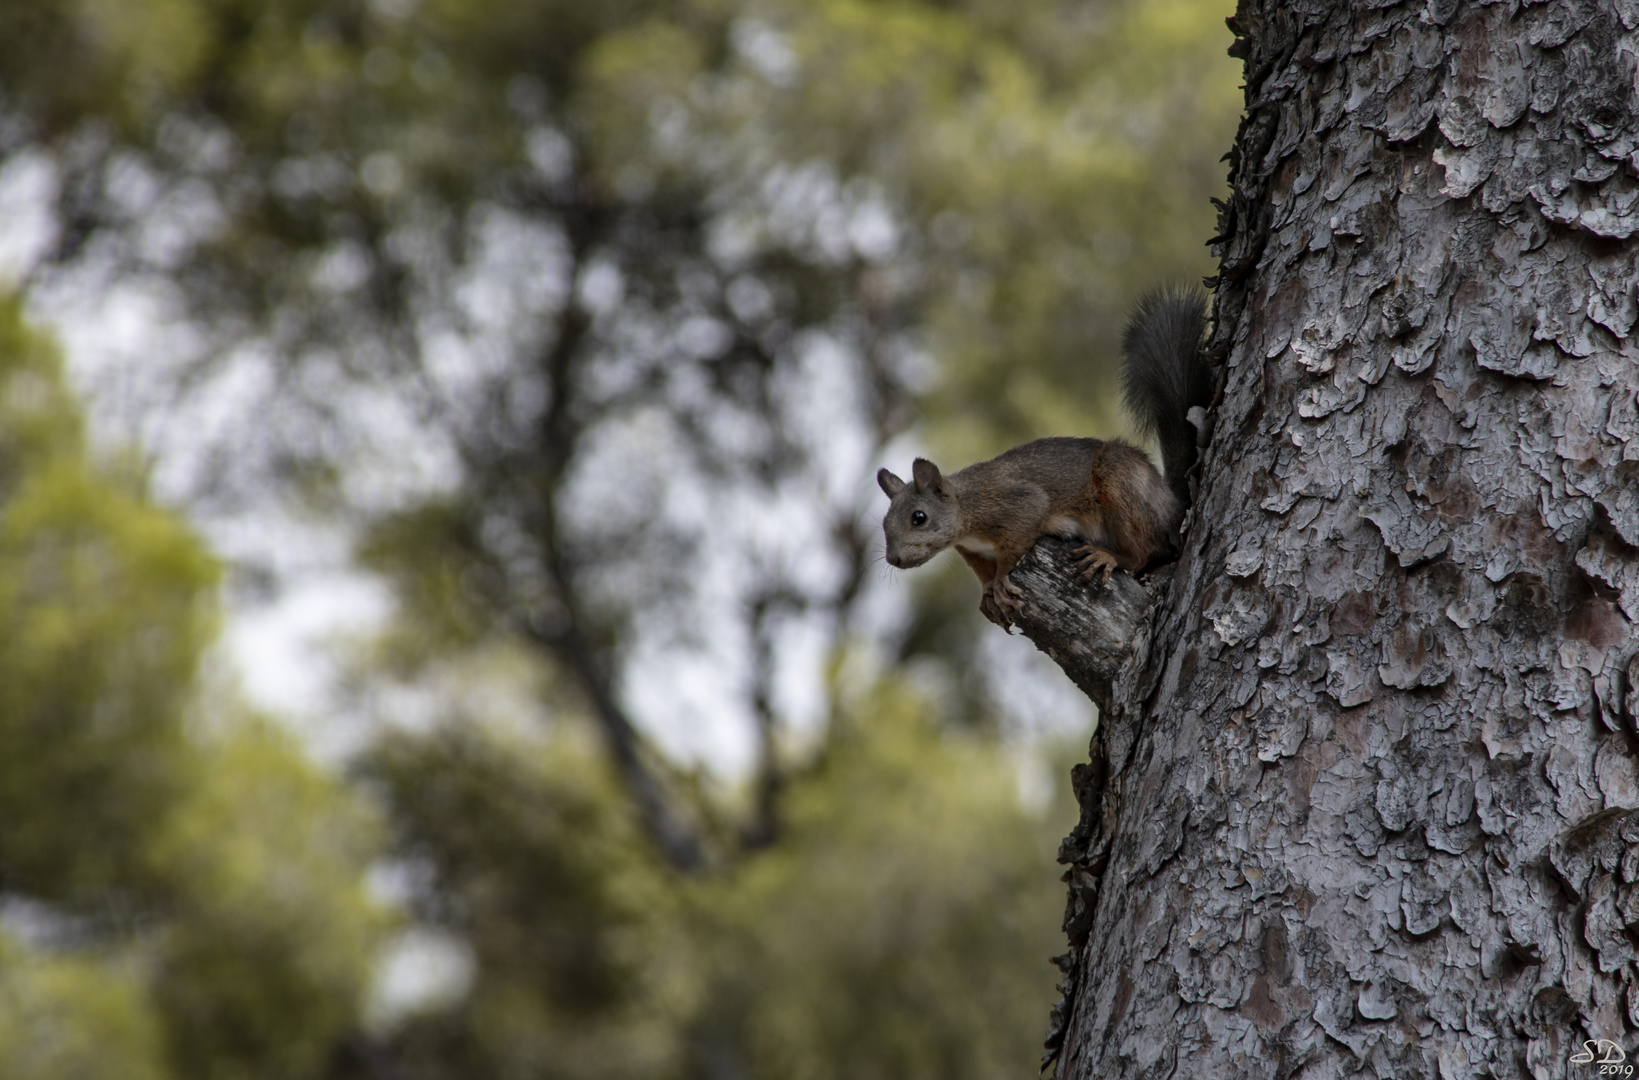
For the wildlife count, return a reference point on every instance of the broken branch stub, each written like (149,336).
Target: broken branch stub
(1086,627)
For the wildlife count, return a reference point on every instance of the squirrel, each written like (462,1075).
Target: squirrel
(1105,493)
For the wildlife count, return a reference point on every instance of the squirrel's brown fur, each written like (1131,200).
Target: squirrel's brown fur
(1104,493)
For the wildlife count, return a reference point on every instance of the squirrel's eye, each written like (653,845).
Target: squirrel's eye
(919,518)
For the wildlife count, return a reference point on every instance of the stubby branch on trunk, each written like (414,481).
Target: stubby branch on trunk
(1087,628)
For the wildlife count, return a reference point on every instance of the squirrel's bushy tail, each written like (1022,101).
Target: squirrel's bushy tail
(1164,375)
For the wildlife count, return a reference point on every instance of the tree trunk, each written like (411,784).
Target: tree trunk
(1364,802)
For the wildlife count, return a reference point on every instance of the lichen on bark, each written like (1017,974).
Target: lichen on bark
(1366,801)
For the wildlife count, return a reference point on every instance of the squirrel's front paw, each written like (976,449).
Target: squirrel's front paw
(1095,560)
(1001,597)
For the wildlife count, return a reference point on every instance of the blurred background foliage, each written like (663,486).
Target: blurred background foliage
(586,324)
(179,885)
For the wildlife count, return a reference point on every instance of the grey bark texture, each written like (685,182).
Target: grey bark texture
(1364,802)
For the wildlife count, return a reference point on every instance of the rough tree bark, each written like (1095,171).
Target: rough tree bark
(1364,801)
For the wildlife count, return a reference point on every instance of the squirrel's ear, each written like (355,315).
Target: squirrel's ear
(927,476)
(891,485)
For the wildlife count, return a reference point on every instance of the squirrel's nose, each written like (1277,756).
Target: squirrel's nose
(893,560)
